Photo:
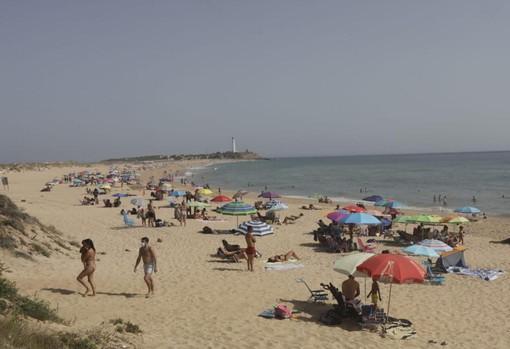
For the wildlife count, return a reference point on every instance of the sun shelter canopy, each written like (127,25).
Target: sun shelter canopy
(259,228)
(467,209)
(453,258)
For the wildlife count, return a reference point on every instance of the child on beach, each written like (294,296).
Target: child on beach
(375,293)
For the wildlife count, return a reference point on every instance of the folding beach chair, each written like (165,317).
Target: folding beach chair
(365,248)
(315,295)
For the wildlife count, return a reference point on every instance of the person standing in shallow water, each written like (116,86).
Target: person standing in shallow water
(88,258)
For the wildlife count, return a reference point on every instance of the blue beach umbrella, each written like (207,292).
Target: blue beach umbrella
(178,193)
(420,250)
(467,209)
(278,207)
(120,195)
(381,203)
(394,204)
(360,218)
(373,198)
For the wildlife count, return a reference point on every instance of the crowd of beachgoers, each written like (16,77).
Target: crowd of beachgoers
(375,238)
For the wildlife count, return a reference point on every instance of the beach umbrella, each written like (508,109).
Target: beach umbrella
(205,191)
(221,198)
(394,204)
(239,194)
(393,268)
(360,218)
(120,195)
(404,219)
(348,263)
(436,245)
(279,206)
(336,216)
(269,195)
(420,250)
(428,219)
(178,193)
(458,220)
(373,198)
(374,212)
(259,228)
(199,204)
(467,209)
(354,208)
(138,202)
(237,208)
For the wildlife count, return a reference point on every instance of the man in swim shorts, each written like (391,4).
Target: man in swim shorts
(146,253)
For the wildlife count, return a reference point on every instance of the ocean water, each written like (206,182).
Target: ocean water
(411,179)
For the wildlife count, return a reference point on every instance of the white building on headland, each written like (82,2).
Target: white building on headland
(233,145)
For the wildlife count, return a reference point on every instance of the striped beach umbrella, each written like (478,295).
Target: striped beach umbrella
(237,208)
(259,228)
(436,245)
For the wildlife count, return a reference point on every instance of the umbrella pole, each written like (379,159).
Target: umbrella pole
(389,300)
(365,287)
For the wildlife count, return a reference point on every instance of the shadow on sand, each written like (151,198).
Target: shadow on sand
(71,292)
(316,310)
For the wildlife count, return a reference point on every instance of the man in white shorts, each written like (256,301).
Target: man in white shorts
(146,253)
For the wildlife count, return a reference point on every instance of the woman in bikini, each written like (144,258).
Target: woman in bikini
(88,258)
(250,249)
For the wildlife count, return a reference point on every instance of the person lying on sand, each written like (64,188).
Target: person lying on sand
(235,255)
(283,257)
(292,218)
(310,207)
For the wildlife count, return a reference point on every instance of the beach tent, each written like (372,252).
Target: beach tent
(453,258)
(259,228)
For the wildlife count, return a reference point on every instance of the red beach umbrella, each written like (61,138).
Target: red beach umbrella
(221,198)
(354,209)
(393,268)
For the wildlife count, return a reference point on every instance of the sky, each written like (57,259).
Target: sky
(89,80)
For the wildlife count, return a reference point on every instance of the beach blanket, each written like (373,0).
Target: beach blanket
(269,313)
(482,273)
(283,265)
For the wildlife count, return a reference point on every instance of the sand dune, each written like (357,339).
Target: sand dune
(202,302)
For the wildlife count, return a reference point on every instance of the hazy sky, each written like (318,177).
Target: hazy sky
(89,80)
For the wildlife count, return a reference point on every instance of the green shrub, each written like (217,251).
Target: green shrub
(74,341)
(7,289)
(37,309)
(40,249)
(6,241)
(132,328)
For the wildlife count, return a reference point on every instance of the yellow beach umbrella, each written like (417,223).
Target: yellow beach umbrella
(458,220)
(205,191)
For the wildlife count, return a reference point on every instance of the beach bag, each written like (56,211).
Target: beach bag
(281,311)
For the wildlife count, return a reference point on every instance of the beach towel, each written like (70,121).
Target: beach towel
(482,273)
(269,313)
(283,265)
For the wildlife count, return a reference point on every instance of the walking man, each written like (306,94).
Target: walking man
(146,253)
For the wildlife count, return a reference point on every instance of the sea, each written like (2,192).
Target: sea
(479,179)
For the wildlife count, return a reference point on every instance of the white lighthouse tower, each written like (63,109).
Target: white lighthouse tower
(233,145)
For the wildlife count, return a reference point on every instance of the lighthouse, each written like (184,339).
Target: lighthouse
(233,145)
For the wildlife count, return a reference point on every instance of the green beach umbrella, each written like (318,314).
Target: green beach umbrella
(237,208)
(198,204)
(428,219)
(405,219)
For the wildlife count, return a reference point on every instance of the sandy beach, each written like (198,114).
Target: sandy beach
(204,302)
